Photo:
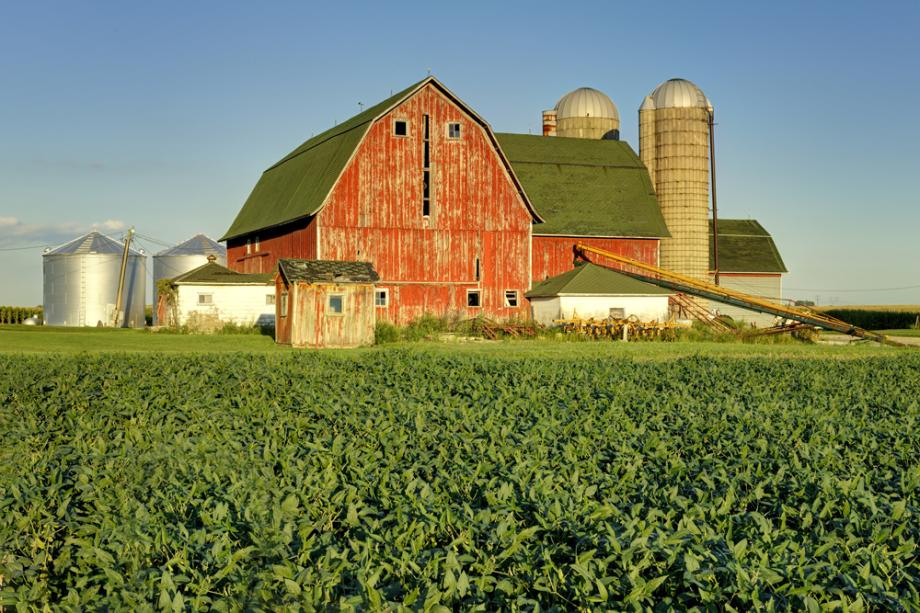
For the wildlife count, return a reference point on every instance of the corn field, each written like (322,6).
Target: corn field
(16,315)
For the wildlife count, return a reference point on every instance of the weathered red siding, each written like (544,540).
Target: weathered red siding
(374,214)
(293,240)
(553,255)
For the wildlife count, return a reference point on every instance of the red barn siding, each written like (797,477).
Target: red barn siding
(374,214)
(553,255)
(294,240)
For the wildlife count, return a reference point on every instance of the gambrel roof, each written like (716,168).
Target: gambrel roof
(297,186)
(585,187)
(745,246)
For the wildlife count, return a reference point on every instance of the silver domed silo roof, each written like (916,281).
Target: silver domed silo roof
(80,283)
(586,102)
(182,258)
(677,93)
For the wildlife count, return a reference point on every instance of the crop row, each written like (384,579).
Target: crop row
(399,479)
(16,315)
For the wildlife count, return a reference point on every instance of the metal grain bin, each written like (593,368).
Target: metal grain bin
(81,283)
(182,258)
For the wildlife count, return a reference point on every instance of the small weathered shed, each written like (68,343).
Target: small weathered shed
(325,303)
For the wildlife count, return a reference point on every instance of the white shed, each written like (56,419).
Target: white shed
(594,292)
(211,296)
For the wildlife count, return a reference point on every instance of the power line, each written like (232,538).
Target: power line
(877,289)
(22,248)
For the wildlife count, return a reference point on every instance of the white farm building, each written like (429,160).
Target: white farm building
(211,296)
(593,292)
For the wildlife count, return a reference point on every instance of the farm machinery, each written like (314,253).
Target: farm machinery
(686,288)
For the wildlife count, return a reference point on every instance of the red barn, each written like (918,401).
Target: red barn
(416,185)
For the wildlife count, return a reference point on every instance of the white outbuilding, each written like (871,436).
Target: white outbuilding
(211,296)
(594,292)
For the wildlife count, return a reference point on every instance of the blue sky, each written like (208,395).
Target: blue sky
(163,115)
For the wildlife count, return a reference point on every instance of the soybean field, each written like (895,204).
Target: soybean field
(407,481)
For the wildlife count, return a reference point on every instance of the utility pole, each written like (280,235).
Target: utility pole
(121,276)
(715,209)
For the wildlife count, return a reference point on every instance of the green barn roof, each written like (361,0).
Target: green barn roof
(297,186)
(215,274)
(590,278)
(585,187)
(745,246)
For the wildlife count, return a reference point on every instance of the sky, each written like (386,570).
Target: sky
(162,115)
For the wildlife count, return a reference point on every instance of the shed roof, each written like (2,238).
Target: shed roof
(585,187)
(197,245)
(332,271)
(213,273)
(296,186)
(588,278)
(92,243)
(745,246)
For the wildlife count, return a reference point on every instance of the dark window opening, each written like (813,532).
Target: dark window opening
(336,304)
(453,130)
(477,269)
(401,127)
(511,298)
(426,173)
(472,298)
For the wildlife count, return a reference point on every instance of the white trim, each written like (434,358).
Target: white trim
(393,132)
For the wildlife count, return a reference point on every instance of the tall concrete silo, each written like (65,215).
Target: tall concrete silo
(182,258)
(674,125)
(583,113)
(81,283)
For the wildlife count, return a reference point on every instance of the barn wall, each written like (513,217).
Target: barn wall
(764,285)
(375,214)
(645,308)
(312,325)
(282,323)
(293,240)
(552,255)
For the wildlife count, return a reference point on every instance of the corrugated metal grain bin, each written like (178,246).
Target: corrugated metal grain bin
(81,283)
(191,254)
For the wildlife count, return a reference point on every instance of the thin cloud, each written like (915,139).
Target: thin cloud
(14,232)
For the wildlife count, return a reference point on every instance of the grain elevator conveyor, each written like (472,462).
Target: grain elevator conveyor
(687,285)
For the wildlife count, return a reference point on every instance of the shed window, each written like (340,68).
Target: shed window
(453,130)
(381,297)
(336,304)
(511,298)
(618,313)
(284,306)
(473,298)
(204,299)
(400,127)
(269,299)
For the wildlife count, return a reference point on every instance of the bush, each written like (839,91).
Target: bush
(385,332)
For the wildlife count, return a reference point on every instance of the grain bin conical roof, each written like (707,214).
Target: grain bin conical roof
(197,245)
(91,243)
